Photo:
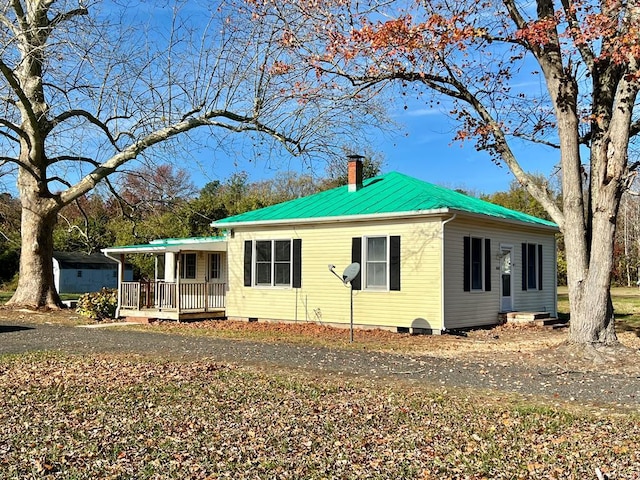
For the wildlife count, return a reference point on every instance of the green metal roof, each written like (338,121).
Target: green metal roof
(390,194)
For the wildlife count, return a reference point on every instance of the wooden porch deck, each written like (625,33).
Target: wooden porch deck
(151,300)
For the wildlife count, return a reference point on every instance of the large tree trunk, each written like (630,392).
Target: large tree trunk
(36,287)
(592,316)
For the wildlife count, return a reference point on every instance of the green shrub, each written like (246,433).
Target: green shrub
(11,284)
(98,305)
(10,261)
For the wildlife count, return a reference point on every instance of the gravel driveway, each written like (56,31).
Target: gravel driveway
(620,390)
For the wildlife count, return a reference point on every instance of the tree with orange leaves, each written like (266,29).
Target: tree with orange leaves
(583,54)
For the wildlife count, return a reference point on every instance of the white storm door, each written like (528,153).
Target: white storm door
(506,279)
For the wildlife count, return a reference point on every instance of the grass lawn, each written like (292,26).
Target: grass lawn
(626,304)
(121,417)
(5,296)
(113,417)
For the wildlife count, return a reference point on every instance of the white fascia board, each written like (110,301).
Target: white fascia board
(191,244)
(199,247)
(195,247)
(134,249)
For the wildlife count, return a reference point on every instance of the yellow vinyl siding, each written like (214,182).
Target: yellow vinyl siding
(465,309)
(323,298)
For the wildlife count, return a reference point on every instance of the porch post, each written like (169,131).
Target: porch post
(178,275)
(207,287)
(169,266)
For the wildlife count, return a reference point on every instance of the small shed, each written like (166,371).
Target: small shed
(75,272)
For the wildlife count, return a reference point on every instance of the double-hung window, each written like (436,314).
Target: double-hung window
(379,259)
(188,265)
(531,266)
(215,272)
(272,263)
(476,264)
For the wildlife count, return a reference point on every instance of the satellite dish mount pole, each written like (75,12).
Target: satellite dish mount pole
(349,274)
(351,319)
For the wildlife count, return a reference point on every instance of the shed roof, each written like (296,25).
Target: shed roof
(392,194)
(77,259)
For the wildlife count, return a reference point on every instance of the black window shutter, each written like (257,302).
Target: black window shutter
(297,263)
(466,270)
(487,265)
(539,267)
(394,263)
(356,257)
(524,266)
(248,250)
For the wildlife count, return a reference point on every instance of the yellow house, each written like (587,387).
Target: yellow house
(431,259)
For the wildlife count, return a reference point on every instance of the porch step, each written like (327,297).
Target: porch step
(542,319)
(139,320)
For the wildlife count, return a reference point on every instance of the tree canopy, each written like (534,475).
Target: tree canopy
(560,74)
(89,87)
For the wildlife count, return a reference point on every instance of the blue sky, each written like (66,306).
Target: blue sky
(421,147)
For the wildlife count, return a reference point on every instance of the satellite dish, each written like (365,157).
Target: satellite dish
(350,272)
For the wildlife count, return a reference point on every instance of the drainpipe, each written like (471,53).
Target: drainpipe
(444,328)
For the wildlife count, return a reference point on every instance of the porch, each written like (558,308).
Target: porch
(160,299)
(189,279)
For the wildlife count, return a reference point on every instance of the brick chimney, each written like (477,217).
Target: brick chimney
(355,172)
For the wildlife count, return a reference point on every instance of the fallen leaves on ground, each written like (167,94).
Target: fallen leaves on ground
(509,343)
(65,416)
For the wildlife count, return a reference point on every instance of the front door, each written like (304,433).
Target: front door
(506,281)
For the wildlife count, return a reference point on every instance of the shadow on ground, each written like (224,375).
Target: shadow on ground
(13,328)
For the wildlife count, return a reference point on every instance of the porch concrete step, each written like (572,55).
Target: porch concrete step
(139,320)
(542,319)
(526,317)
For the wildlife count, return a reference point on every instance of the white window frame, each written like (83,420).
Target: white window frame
(366,262)
(273,263)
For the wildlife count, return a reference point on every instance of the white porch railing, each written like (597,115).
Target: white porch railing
(194,296)
(130,295)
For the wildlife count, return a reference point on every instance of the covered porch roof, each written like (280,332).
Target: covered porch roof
(205,244)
